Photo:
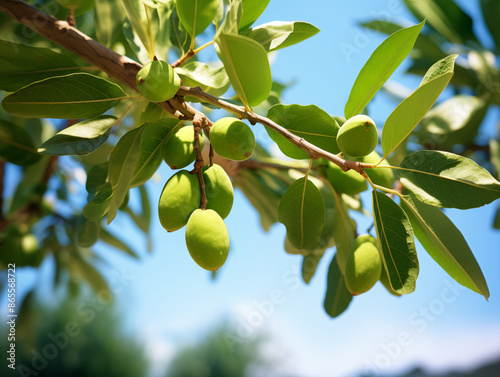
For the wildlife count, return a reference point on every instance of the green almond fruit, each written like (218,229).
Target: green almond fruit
(364,266)
(358,136)
(349,182)
(232,139)
(207,239)
(157,81)
(218,189)
(178,151)
(180,197)
(380,176)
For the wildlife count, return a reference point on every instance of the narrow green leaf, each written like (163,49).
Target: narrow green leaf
(108,21)
(344,230)
(427,45)
(99,205)
(122,164)
(444,179)
(251,10)
(196,15)
(410,112)
(308,122)
(496,221)
(379,67)
(136,12)
(263,195)
(153,136)
(396,241)
(337,297)
(446,17)
(445,244)
(87,232)
(112,240)
(491,10)
(21,65)
(276,35)
(212,80)
(88,272)
(16,145)
(309,266)
(74,96)
(302,211)
(79,139)
(247,66)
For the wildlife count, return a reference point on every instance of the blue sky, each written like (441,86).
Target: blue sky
(170,301)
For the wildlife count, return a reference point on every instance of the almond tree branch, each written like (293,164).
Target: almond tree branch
(313,151)
(125,70)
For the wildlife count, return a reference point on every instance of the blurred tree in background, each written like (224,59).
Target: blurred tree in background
(221,353)
(79,337)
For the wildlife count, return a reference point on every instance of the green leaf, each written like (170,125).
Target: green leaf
(247,66)
(16,145)
(251,10)
(325,239)
(232,20)
(74,96)
(108,21)
(96,178)
(454,121)
(137,14)
(122,164)
(308,122)
(445,244)
(396,241)
(491,10)
(344,231)
(444,179)
(88,232)
(99,205)
(153,136)
(152,113)
(424,43)
(162,28)
(410,112)
(302,211)
(496,221)
(21,65)
(379,67)
(337,297)
(196,15)
(264,194)
(309,266)
(446,17)
(80,139)
(495,155)
(276,35)
(112,240)
(211,80)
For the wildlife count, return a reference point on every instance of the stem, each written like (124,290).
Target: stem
(198,164)
(190,54)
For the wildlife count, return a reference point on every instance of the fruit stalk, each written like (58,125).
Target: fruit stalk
(198,164)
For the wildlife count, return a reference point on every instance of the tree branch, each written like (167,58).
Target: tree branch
(125,70)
